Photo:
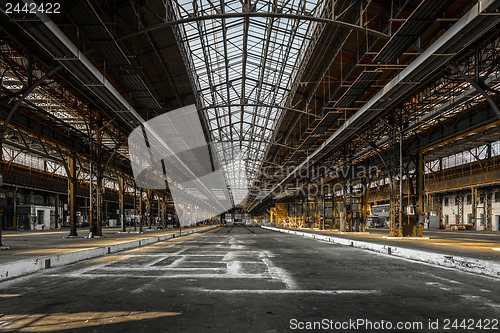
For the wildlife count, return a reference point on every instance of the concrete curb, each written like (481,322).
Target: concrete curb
(478,266)
(28,266)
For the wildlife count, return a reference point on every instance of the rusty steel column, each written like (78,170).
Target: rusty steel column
(121,201)
(475,201)
(141,210)
(72,194)
(322,225)
(420,193)
(460,209)
(488,210)
(92,228)
(99,193)
(56,204)
(400,222)
(364,203)
(149,206)
(163,216)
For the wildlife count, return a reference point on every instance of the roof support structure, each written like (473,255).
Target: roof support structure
(196,18)
(458,37)
(477,86)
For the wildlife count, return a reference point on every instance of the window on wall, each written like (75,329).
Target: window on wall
(468,199)
(497,196)
(446,201)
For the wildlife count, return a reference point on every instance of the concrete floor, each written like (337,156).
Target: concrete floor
(248,280)
(478,244)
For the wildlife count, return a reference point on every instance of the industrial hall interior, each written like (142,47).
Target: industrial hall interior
(261,158)
(341,115)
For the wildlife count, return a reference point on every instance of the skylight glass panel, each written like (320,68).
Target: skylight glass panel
(245,66)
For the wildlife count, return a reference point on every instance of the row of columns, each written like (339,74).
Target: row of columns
(143,211)
(351,209)
(436,202)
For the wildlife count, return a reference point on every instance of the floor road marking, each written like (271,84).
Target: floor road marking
(292,291)
(172,276)
(279,274)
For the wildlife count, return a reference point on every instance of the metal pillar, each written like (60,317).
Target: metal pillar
(149,204)
(96,189)
(140,209)
(324,211)
(164,215)
(302,212)
(343,211)
(400,210)
(316,212)
(392,185)
(438,200)
(420,193)
(100,176)
(92,195)
(350,211)
(365,203)
(56,204)
(72,194)
(334,211)
(488,210)
(475,201)
(460,205)
(121,201)
(14,206)
(99,202)
(136,208)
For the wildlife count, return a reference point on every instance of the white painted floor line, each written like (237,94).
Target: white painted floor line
(279,274)
(154,262)
(159,269)
(292,291)
(43,233)
(145,286)
(166,269)
(86,269)
(176,262)
(441,278)
(164,255)
(172,276)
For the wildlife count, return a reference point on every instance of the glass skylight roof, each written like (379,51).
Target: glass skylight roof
(244,66)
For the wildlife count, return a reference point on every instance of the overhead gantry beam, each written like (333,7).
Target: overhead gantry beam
(364,30)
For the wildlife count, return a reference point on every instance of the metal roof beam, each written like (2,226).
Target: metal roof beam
(196,18)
